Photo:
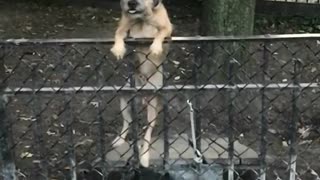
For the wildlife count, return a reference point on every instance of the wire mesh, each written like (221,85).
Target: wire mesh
(298,1)
(256,107)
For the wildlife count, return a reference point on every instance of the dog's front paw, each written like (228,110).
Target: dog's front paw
(156,48)
(118,50)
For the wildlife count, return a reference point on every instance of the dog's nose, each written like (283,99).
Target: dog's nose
(132,4)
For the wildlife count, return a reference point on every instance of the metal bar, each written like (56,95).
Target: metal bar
(172,39)
(264,116)
(102,130)
(157,163)
(294,120)
(192,125)
(102,142)
(135,120)
(8,167)
(166,126)
(79,89)
(231,96)
(196,99)
(71,154)
(41,166)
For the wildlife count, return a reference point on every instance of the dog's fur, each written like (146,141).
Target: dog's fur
(149,19)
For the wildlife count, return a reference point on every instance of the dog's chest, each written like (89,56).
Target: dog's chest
(143,30)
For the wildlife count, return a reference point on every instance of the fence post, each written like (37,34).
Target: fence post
(165,112)
(135,121)
(70,147)
(264,118)
(102,139)
(101,149)
(294,119)
(41,167)
(6,157)
(231,97)
(195,78)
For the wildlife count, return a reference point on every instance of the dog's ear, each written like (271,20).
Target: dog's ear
(156,3)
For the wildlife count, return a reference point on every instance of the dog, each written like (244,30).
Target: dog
(143,19)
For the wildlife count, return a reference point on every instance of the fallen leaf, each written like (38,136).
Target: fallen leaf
(116,19)
(54,116)
(26,155)
(176,62)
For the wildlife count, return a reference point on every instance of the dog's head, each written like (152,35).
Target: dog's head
(138,8)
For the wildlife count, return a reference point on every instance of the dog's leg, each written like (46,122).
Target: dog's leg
(165,29)
(125,108)
(153,108)
(119,48)
(127,119)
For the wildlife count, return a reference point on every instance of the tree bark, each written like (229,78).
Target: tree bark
(228,17)
(228,62)
(224,17)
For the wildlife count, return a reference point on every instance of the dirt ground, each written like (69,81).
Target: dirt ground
(95,118)
(20,20)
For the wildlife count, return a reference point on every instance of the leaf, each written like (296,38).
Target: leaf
(176,62)
(94,104)
(51,133)
(26,155)
(55,117)
(116,19)
(84,142)
(272,131)
(27,118)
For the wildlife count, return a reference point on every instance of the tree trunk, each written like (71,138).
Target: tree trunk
(224,17)
(228,17)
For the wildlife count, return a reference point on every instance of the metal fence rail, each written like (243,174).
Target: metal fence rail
(256,107)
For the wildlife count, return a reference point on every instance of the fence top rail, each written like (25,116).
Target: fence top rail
(181,39)
(78,89)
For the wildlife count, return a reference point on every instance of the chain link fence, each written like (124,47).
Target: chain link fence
(298,1)
(291,9)
(256,108)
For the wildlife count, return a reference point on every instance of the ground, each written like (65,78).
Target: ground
(19,20)
(54,63)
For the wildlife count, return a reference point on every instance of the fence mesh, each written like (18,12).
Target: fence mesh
(298,1)
(256,107)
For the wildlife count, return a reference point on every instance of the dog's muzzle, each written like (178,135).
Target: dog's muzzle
(132,4)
